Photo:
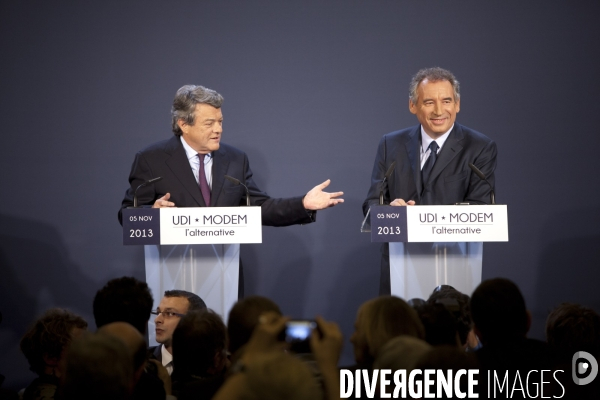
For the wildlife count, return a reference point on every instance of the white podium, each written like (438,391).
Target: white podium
(193,249)
(209,270)
(417,268)
(436,245)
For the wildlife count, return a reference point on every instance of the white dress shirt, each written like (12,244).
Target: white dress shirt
(426,141)
(194,160)
(167,359)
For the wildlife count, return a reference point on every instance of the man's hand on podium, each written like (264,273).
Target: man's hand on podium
(163,202)
(317,199)
(401,202)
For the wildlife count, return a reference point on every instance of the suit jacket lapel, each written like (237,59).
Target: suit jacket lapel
(451,148)
(179,164)
(412,149)
(158,353)
(219,170)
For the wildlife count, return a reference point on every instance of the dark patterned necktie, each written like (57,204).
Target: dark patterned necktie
(204,188)
(426,171)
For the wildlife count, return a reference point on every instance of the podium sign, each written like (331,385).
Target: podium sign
(192,225)
(460,223)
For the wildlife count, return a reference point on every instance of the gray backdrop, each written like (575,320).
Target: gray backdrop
(309,87)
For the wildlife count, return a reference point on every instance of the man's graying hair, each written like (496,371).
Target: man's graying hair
(434,74)
(185,102)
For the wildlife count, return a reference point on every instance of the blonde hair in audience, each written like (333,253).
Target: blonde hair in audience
(386,317)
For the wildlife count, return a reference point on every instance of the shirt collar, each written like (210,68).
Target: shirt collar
(166,356)
(191,153)
(426,139)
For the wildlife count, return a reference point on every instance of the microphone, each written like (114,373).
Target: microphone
(238,182)
(149,181)
(385,178)
(483,178)
(366,224)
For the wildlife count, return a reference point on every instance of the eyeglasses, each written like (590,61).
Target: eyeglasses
(167,314)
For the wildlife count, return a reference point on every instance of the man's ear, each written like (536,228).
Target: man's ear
(182,125)
(219,362)
(412,107)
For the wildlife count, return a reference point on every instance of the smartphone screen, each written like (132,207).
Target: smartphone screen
(297,334)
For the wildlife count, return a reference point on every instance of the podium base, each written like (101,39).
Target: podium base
(211,271)
(417,268)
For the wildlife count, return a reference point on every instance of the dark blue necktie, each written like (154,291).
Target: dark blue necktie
(426,171)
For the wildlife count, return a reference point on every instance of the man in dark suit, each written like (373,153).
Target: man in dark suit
(194,162)
(432,158)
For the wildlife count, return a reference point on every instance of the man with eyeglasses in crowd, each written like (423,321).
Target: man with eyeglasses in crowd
(174,305)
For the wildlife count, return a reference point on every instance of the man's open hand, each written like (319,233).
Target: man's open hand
(317,199)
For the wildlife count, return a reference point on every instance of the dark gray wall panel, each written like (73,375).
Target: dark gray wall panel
(309,88)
